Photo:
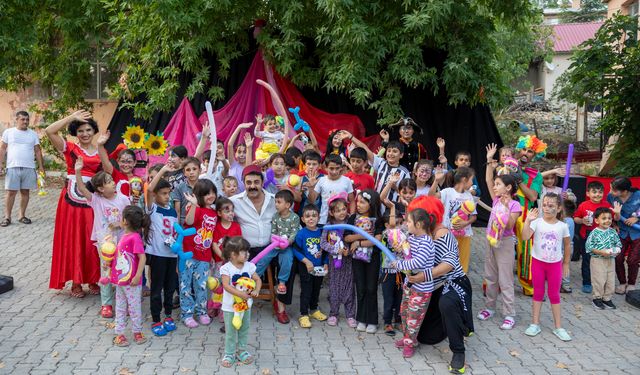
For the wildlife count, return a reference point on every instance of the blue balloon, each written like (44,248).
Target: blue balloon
(300,123)
(177,246)
(390,255)
(635,226)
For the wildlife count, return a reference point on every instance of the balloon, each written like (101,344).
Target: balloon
(214,141)
(567,171)
(635,226)
(270,178)
(177,246)
(280,242)
(390,255)
(107,251)
(293,181)
(300,123)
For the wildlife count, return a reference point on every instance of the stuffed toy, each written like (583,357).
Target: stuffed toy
(215,302)
(245,284)
(135,186)
(107,253)
(510,166)
(399,243)
(496,228)
(335,239)
(363,253)
(462,214)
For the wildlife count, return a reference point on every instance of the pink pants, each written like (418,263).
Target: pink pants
(128,296)
(551,273)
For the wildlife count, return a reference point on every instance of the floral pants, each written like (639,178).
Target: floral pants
(193,281)
(130,296)
(412,310)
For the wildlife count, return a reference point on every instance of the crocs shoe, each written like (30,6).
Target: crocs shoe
(533,330)
(204,320)
(169,324)
(245,358)
(190,322)
(352,323)
(485,314)
(106,311)
(304,321)
(158,329)
(319,316)
(508,323)
(332,321)
(562,334)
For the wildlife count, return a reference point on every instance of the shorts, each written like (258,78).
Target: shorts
(20,178)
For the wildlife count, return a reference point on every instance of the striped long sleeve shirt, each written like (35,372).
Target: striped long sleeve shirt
(422,255)
(603,240)
(446,252)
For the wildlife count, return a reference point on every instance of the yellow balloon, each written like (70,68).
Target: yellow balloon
(107,250)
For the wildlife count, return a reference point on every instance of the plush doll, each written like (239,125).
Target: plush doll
(215,302)
(245,284)
(135,186)
(398,242)
(363,253)
(462,214)
(510,166)
(496,228)
(335,239)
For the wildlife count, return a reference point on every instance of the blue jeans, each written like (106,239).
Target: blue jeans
(195,273)
(285,260)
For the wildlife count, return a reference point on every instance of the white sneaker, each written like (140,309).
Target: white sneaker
(361,327)
(508,323)
(372,328)
(485,314)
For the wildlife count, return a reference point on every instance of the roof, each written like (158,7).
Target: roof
(568,36)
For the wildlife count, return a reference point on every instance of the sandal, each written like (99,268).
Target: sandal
(227,361)
(282,289)
(5,222)
(94,289)
(25,220)
(139,338)
(76,291)
(245,358)
(120,340)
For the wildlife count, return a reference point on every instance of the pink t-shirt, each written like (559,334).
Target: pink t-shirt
(105,212)
(500,209)
(125,264)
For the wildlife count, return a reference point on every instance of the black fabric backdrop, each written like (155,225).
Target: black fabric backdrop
(463,127)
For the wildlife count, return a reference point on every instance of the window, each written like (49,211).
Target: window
(100,79)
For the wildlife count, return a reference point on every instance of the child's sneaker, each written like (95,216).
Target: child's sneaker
(565,288)
(532,330)
(388,330)
(319,316)
(352,323)
(562,334)
(361,327)
(332,321)
(408,351)
(190,322)
(457,364)
(204,320)
(371,328)
(508,323)
(598,303)
(400,343)
(169,324)
(485,314)
(609,305)
(304,321)
(158,329)
(139,338)
(587,289)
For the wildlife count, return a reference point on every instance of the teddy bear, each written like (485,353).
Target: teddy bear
(244,284)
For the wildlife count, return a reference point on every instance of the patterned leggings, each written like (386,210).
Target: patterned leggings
(132,296)
(412,310)
(195,275)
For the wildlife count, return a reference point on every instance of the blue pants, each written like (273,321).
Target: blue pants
(195,275)
(285,259)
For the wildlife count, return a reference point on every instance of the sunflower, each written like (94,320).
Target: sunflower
(134,137)
(156,145)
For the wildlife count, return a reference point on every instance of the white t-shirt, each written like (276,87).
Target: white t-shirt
(327,188)
(275,137)
(162,220)
(217,178)
(548,240)
(230,270)
(20,144)
(452,200)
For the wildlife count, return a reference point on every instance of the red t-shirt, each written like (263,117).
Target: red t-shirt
(361,181)
(220,233)
(200,243)
(588,208)
(122,182)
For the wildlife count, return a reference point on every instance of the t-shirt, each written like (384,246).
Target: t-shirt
(288,226)
(220,233)
(586,209)
(228,269)
(536,185)
(361,181)
(216,176)
(177,195)
(305,195)
(122,182)
(105,212)
(423,190)
(606,239)
(383,172)
(282,181)
(327,188)
(20,147)
(200,244)
(175,178)
(629,208)
(500,209)
(452,200)
(125,264)
(548,240)
(275,137)
(308,244)
(572,229)
(162,220)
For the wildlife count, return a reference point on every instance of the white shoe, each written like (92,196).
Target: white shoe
(372,328)
(485,314)
(621,289)
(361,327)
(508,323)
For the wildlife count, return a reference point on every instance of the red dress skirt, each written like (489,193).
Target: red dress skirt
(74,256)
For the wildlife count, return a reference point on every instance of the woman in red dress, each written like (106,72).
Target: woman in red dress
(75,257)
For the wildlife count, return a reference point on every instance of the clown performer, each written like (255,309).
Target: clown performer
(413,151)
(529,148)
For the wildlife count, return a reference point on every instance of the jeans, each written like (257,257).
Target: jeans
(391,296)
(285,260)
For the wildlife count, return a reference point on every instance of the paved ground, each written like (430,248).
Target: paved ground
(44,331)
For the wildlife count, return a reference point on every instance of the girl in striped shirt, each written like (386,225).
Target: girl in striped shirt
(415,298)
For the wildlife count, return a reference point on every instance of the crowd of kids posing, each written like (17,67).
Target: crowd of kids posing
(350,184)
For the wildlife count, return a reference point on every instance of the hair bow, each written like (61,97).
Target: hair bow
(340,195)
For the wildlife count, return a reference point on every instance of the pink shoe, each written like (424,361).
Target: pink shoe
(352,323)
(400,343)
(332,321)
(204,320)
(408,351)
(190,322)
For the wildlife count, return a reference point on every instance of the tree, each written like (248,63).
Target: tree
(368,49)
(605,71)
(590,10)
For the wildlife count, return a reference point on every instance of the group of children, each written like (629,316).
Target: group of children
(313,191)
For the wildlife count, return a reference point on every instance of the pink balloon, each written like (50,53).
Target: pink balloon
(276,241)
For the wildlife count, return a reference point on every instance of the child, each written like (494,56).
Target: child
(463,159)
(550,183)
(414,150)
(221,165)
(236,250)
(453,198)
(126,274)
(151,174)
(392,280)
(191,169)
(341,290)
(603,244)
(225,228)
(548,263)
(359,174)
(506,152)
(366,259)
(333,183)
(499,259)
(626,201)
(107,205)
(423,177)
(407,188)
(177,156)
(126,162)
(568,210)
(272,137)
(415,297)
(240,156)
(201,216)
(309,180)
(162,261)
(284,223)
(312,266)
(336,145)
(584,217)
(293,158)
(230,186)
(279,168)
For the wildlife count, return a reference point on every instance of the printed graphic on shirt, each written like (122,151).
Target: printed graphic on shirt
(313,245)
(124,267)
(204,235)
(548,246)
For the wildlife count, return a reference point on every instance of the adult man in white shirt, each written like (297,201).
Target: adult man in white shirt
(254,208)
(20,145)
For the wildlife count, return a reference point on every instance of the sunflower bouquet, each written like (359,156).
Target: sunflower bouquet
(136,138)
